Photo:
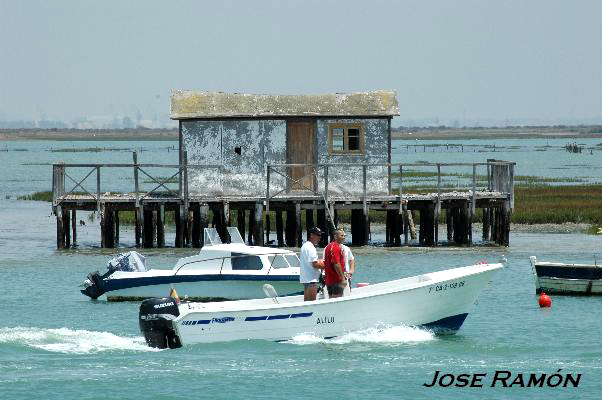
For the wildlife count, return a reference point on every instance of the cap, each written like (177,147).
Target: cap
(316,231)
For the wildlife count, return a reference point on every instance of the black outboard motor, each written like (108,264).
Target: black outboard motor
(94,286)
(155,319)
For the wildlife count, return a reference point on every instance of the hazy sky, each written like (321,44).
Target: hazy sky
(537,61)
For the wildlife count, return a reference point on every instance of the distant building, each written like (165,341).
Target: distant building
(242,133)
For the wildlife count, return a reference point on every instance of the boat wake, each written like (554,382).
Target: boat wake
(398,334)
(64,340)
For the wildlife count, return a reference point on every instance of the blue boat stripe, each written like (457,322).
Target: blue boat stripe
(262,318)
(282,316)
(302,315)
(125,283)
(203,321)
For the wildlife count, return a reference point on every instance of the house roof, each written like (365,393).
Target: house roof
(187,104)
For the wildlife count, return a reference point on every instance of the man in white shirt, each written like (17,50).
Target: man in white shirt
(310,266)
(349,268)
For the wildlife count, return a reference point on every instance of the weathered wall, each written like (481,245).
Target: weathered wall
(350,179)
(215,142)
(263,142)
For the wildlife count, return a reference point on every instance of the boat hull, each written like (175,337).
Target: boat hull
(567,279)
(439,301)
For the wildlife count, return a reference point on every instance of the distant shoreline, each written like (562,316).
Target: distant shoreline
(438,133)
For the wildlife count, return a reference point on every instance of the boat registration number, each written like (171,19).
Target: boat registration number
(446,286)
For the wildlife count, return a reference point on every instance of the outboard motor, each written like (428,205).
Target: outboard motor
(94,286)
(155,319)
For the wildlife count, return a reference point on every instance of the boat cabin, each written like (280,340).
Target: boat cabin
(237,256)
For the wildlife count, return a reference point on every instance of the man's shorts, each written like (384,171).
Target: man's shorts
(310,285)
(335,290)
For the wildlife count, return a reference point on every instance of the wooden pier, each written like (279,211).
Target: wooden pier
(275,218)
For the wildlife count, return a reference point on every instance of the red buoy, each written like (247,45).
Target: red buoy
(545,300)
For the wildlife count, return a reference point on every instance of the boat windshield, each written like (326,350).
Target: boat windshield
(278,261)
(284,260)
(293,260)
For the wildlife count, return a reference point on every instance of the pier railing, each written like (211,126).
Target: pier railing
(141,175)
(386,179)
(329,181)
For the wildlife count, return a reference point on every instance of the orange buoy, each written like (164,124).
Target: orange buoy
(545,300)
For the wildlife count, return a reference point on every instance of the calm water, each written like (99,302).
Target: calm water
(55,343)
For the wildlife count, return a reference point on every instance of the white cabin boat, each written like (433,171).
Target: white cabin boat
(561,278)
(219,272)
(439,301)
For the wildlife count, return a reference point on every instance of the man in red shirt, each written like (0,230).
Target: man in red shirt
(334,261)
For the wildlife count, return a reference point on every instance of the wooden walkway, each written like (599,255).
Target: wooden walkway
(320,205)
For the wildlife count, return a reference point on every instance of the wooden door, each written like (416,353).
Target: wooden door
(300,150)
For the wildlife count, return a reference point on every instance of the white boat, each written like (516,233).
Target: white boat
(219,272)
(439,301)
(561,278)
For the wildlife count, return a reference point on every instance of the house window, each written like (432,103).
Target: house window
(346,139)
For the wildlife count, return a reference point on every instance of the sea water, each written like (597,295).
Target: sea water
(56,343)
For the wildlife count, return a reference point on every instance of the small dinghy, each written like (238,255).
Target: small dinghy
(219,272)
(571,279)
(439,301)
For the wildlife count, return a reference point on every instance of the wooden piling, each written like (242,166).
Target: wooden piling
(290,231)
(406,224)
(74,226)
(298,237)
(250,238)
(101,214)
(66,225)
(161,226)
(154,230)
(226,220)
(279,228)
(149,228)
(267,228)
(240,222)
(485,224)
(137,229)
(60,235)
(116,227)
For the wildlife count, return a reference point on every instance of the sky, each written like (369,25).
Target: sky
(451,62)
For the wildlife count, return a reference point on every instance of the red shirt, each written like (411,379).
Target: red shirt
(333,254)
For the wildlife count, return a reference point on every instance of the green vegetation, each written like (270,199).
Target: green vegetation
(558,204)
(37,196)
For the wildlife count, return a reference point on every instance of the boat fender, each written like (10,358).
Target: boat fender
(362,284)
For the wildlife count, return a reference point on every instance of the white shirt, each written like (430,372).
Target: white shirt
(348,256)
(307,271)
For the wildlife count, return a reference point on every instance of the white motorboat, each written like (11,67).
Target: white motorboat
(439,301)
(562,278)
(219,272)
